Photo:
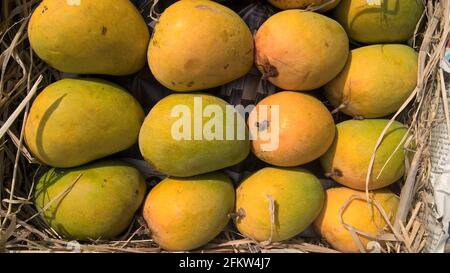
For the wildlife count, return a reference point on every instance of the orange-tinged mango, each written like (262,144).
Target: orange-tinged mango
(379,21)
(347,160)
(199,44)
(306,129)
(186,213)
(89,36)
(93,201)
(300,50)
(376,80)
(75,121)
(358,214)
(275,204)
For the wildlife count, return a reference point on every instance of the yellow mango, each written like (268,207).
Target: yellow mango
(358,214)
(375,82)
(174,138)
(186,213)
(89,36)
(276,204)
(302,4)
(347,160)
(93,201)
(199,44)
(302,131)
(300,50)
(75,121)
(382,21)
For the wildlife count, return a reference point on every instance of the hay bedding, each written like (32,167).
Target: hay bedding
(23,75)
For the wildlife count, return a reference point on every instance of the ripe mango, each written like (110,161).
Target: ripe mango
(93,201)
(302,4)
(348,158)
(377,22)
(306,129)
(186,213)
(75,121)
(375,82)
(358,214)
(300,50)
(199,44)
(89,36)
(174,138)
(275,204)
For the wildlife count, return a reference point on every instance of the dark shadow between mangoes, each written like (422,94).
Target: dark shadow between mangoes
(40,131)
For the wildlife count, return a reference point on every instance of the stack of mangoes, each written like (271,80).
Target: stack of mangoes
(77,125)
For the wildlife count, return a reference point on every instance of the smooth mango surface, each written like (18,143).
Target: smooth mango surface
(89,36)
(199,44)
(94,201)
(376,80)
(302,130)
(347,160)
(300,50)
(75,121)
(374,22)
(186,213)
(275,204)
(174,137)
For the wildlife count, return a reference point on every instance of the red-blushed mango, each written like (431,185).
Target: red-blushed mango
(302,131)
(90,36)
(358,213)
(300,50)
(187,213)
(179,139)
(93,201)
(379,21)
(75,121)
(347,161)
(302,4)
(276,204)
(376,80)
(199,44)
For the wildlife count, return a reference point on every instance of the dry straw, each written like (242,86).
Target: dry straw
(22,74)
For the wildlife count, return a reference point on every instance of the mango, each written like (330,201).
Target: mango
(302,4)
(75,121)
(347,161)
(190,134)
(199,44)
(89,36)
(299,131)
(186,213)
(93,201)
(375,82)
(378,22)
(300,50)
(358,214)
(276,204)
